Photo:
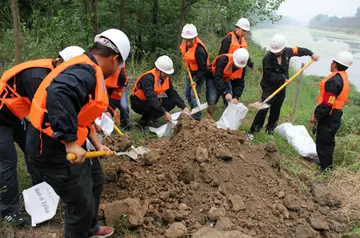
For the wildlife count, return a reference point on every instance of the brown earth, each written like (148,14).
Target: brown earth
(206,177)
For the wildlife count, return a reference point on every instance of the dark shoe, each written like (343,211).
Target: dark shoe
(125,125)
(16,219)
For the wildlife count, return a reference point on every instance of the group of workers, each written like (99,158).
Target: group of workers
(63,97)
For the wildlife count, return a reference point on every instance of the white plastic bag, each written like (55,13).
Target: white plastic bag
(166,130)
(41,202)
(232,116)
(299,138)
(107,125)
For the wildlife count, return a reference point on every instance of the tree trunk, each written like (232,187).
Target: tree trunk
(94,16)
(122,15)
(154,29)
(17,32)
(181,22)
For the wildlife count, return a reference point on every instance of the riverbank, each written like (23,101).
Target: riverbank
(351,31)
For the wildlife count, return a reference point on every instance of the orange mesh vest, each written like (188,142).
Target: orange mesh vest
(228,70)
(342,99)
(112,83)
(88,113)
(235,44)
(17,104)
(159,87)
(189,55)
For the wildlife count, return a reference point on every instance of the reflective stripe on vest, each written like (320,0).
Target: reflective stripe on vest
(228,73)
(235,44)
(342,99)
(17,104)
(88,113)
(159,88)
(189,55)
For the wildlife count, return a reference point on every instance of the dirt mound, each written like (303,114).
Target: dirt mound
(118,143)
(208,177)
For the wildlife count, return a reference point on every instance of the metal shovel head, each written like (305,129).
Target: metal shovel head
(199,108)
(259,105)
(134,152)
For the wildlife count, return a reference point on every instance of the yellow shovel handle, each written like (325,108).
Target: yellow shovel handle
(91,154)
(289,81)
(192,84)
(118,130)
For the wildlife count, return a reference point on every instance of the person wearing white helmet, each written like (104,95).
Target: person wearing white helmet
(225,68)
(275,73)
(197,59)
(334,94)
(235,40)
(62,113)
(17,88)
(154,95)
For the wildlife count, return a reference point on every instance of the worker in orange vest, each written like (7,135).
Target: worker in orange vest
(17,88)
(116,85)
(334,94)
(62,113)
(225,68)
(153,94)
(197,59)
(233,41)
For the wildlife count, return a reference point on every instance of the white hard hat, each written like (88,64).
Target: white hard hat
(71,52)
(241,57)
(119,41)
(189,31)
(244,24)
(344,58)
(278,43)
(165,64)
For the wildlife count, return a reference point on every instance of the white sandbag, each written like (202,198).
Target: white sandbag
(166,130)
(299,138)
(41,202)
(232,116)
(107,125)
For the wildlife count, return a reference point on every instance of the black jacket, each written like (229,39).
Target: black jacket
(274,75)
(27,83)
(334,85)
(147,85)
(201,59)
(219,74)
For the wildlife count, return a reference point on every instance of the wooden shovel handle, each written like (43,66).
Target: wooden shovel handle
(118,130)
(91,154)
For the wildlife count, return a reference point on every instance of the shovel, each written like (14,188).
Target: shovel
(264,104)
(118,130)
(200,106)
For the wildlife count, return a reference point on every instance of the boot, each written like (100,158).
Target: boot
(211,110)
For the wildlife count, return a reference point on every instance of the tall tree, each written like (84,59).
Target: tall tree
(17,32)
(185,5)
(94,16)
(122,15)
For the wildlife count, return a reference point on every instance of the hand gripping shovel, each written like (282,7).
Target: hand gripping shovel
(200,106)
(264,104)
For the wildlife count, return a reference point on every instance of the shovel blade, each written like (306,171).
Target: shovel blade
(134,152)
(259,105)
(199,108)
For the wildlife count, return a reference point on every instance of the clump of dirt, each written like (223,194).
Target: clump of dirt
(207,177)
(118,143)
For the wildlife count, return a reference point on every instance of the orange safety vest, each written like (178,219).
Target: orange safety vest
(17,104)
(159,87)
(235,44)
(189,55)
(228,70)
(112,83)
(88,113)
(339,101)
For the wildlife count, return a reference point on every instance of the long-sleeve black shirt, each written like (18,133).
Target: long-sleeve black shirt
(275,74)
(147,85)
(334,85)
(27,83)
(220,65)
(201,59)
(225,47)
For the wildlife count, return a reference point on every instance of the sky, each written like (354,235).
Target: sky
(304,10)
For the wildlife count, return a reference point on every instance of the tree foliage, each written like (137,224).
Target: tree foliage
(322,20)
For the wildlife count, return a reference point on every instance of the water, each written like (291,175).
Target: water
(324,43)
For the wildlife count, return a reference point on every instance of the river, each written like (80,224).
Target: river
(324,43)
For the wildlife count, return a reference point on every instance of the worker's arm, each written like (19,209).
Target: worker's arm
(274,78)
(173,95)
(238,86)
(66,95)
(147,84)
(299,51)
(225,45)
(219,75)
(333,88)
(122,78)
(201,60)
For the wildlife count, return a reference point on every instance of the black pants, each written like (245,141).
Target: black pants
(74,185)
(275,109)
(325,138)
(9,190)
(149,113)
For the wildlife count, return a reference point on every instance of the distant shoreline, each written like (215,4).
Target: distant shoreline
(352,31)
